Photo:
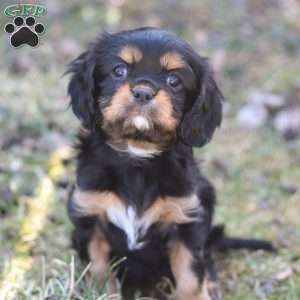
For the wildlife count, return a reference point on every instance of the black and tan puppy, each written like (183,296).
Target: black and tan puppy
(144,99)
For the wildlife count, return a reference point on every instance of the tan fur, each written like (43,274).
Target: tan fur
(99,250)
(123,99)
(164,210)
(96,203)
(131,54)
(187,285)
(164,115)
(119,103)
(209,288)
(172,210)
(122,108)
(171,61)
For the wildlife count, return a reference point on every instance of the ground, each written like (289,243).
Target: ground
(253,45)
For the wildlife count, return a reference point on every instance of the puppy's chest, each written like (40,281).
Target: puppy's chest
(131,226)
(144,213)
(140,229)
(137,189)
(135,202)
(136,225)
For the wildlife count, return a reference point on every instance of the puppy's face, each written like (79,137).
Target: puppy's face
(145,86)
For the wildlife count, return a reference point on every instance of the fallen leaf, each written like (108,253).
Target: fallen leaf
(284,274)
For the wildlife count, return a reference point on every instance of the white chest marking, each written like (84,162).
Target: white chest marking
(140,152)
(127,220)
(140,123)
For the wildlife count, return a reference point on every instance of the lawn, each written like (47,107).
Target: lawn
(253,45)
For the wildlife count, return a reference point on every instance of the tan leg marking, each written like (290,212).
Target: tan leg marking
(99,250)
(210,289)
(187,285)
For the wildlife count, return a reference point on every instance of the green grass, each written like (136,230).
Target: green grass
(254,172)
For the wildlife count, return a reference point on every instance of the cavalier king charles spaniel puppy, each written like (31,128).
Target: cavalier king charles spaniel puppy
(145,98)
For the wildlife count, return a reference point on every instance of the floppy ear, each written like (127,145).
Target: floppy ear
(201,120)
(82,89)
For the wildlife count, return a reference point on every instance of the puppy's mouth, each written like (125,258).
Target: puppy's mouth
(152,121)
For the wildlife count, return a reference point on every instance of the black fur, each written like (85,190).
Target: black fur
(140,181)
(175,173)
(81,89)
(203,99)
(219,241)
(205,115)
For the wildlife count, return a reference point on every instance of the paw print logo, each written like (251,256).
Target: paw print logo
(24,31)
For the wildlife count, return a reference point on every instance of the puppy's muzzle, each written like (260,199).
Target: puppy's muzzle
(143,94)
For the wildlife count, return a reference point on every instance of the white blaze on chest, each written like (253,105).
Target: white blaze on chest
(127,220)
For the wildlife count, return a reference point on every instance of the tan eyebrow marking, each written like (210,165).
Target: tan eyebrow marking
(172,60)
(131,54)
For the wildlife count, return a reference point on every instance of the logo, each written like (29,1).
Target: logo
(24,29)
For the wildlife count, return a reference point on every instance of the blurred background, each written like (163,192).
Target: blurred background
(253,160)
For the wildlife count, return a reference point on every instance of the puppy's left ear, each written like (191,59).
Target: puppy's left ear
(205,114)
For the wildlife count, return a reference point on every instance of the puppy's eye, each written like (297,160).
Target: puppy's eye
(120,71)
(173,80)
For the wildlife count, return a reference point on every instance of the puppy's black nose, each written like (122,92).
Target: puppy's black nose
(143,94)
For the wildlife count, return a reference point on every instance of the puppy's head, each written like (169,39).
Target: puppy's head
(147,86)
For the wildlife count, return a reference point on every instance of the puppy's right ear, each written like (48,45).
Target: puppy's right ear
(82,89)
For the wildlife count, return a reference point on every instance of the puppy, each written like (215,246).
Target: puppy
(144,99)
